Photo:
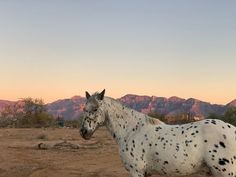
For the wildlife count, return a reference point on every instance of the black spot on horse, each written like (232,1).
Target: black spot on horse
(131,154)
(216,167)
(223,161)
(177,171)
(224,136)
(213,122)
(177,147)
(158,128)
(166,162)
(186,155)
(222,144)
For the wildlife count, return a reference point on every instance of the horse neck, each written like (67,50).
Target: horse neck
(122,121)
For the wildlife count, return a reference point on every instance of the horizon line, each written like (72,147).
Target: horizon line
(141,95)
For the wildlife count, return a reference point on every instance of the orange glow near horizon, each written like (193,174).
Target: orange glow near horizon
(54,50)
(52,96)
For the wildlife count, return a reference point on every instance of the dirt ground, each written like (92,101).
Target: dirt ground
(20,156)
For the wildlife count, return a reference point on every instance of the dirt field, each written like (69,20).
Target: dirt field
(20,156)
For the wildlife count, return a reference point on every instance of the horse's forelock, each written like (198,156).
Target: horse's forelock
(95,95)
(93,99)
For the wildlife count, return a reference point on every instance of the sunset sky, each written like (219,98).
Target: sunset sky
(55,49)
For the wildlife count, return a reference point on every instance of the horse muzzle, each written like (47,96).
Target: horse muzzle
(85,134)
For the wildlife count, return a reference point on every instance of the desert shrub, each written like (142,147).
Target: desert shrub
(30,113)
(6,122)
(42,137)
(72,123)
(182,118)
(35,121)
(176,119)
(60,122)
(158,116)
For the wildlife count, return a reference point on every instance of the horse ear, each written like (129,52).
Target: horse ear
(87,95)
(101,95)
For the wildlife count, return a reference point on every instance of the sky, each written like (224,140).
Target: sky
(55,49)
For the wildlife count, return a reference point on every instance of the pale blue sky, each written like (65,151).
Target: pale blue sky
(59,48)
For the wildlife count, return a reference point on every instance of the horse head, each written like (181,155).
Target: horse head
(93,115)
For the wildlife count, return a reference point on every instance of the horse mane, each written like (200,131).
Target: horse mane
(148,119)
(153,121)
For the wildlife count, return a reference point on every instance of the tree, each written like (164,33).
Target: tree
(33,106)
(214,116)
(35,114)
(229,116)
(28,112)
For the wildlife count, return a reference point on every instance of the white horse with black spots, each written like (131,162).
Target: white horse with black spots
(149,146)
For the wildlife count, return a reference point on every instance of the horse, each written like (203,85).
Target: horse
(149,146)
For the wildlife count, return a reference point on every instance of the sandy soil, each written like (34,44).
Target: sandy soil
(20,156)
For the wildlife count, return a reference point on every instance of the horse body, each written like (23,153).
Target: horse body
(150,146)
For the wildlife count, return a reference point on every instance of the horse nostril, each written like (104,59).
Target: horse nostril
(83,131)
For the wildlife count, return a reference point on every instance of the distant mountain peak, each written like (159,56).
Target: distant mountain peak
(72,108)
(77,98)
(232,103)
(176,99)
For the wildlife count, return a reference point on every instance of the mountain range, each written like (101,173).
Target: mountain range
(72,108)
